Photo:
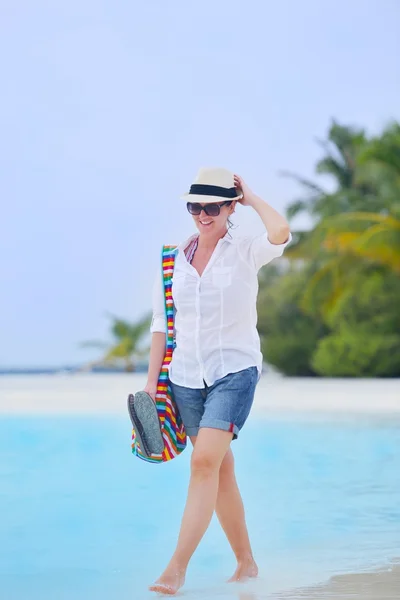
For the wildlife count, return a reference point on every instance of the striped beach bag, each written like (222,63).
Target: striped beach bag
(172,429)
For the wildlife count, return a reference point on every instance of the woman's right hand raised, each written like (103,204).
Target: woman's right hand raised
(151,389)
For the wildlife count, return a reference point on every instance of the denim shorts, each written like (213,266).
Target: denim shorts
(224,405)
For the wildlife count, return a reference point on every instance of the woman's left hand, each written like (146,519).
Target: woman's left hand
(243,188)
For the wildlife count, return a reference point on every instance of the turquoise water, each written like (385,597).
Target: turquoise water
(81,518)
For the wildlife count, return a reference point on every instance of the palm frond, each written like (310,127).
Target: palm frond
(340,172)
(354,218)
(306,183)
(122,350)
(126,345)
(295,208)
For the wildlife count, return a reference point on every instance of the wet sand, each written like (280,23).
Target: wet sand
(379,585)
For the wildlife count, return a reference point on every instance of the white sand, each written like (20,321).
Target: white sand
(381,585)
(87,393)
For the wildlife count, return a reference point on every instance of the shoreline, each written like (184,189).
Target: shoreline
(275,396)
(382,584)
(362,402)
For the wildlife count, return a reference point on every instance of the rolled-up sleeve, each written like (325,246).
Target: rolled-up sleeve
(158,322)
(261,251)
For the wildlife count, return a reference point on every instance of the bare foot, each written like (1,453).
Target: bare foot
(245,570)
(170,581)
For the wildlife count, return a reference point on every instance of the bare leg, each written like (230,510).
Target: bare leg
(230,512)
(210,449)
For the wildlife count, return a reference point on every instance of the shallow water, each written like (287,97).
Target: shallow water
(82,518)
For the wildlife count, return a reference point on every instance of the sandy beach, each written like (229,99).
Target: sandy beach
(379,585)
(87,393)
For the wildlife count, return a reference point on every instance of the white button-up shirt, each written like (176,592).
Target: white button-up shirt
(216,316)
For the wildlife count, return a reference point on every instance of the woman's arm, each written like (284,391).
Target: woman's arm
(276,225)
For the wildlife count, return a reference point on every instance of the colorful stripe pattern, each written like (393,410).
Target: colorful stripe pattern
(172,428)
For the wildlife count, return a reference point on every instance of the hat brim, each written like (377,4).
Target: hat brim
(209,199)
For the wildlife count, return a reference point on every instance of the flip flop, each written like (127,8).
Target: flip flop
(143,413)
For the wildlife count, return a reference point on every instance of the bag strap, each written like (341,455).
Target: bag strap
(168,264)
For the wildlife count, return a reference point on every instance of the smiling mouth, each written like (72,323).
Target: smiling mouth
(206,222)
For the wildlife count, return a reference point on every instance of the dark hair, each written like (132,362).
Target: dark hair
(231,225)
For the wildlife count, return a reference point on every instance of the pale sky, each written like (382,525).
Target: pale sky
(109,107)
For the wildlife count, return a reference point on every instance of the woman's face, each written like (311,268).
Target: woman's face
(210,224)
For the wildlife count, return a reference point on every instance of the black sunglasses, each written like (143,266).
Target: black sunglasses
(212,210)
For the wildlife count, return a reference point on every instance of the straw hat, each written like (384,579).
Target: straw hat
(212,185)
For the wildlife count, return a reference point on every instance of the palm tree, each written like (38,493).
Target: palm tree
(370,236)
(343,247)
(381,158)
(352,189)
(385,149)
(126,344)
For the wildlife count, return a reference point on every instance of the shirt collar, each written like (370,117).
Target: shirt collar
(227,238)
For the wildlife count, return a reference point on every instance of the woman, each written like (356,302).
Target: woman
(217,359)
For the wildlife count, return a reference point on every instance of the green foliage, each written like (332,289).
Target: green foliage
(365,324)
(336,312)
(353,189)
(125,346)
(288,335)
(353,353)
(371,304)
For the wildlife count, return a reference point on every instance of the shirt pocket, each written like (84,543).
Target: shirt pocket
(222,277)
